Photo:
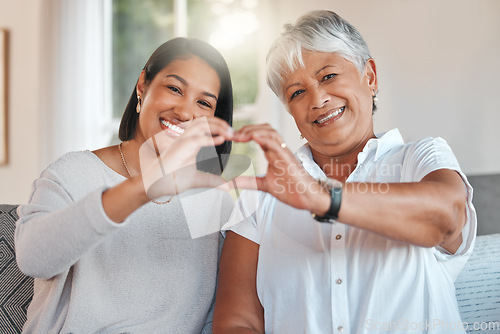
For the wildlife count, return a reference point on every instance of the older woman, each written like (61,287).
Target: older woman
(375,245)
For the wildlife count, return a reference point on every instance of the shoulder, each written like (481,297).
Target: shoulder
(428,143)
(71,176)
(74,166)
(427,155)
(430,148)
(75,160)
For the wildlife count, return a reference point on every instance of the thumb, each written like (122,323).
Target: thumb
(208,180)
(249,182)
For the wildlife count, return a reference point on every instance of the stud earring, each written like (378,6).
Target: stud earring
(138,108)
(301,136)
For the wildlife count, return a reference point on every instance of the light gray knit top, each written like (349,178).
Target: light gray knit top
(145,275)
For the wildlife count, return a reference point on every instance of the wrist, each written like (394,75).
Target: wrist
(321,202)
(139,190)
(331,211)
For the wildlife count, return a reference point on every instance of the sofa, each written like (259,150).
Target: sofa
(477,287)
(16,289)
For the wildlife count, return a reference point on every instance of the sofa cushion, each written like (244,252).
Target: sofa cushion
(16,289)
(478,287)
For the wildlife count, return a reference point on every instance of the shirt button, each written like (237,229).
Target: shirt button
(339,281)
(338,237)
(340,329)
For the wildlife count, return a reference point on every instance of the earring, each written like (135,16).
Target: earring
(138,108)
(375,98)
(301,136)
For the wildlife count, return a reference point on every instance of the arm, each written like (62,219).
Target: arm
(426,213)
(237,306)
(55,229)
(172,172)
(59,225)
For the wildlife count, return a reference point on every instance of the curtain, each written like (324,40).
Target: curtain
(76,110)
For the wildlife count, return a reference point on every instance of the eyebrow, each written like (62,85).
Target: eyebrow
(317,72)
(185,83)
(321,69)
(294,84)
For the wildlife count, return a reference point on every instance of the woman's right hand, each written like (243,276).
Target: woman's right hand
(169,162)
(169,167)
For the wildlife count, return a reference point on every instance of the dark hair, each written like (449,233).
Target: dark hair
(179,48)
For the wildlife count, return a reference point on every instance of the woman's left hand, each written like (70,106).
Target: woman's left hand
(286,179)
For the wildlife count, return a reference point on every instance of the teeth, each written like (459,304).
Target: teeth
(338,112)
(172,127)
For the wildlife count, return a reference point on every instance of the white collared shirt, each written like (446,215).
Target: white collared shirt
(332,278)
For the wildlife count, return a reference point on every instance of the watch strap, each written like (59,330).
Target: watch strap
(335,201)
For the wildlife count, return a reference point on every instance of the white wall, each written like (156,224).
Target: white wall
(22,20)
(437,64)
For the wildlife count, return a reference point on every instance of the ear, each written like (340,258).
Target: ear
(371,74)
(141,84)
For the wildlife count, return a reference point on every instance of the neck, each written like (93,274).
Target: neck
(339,166)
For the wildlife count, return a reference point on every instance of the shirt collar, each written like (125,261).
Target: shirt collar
(305,156)
(384,142)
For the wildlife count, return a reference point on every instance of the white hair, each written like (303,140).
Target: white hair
(316,31)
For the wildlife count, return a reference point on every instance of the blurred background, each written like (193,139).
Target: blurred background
(72,65)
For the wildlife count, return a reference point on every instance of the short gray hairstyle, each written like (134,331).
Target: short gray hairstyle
(319,30)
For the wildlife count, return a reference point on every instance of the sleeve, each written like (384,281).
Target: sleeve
(54,230)
(429,155)
(243,219)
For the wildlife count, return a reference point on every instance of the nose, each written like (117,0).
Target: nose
(318,96)
(185,112)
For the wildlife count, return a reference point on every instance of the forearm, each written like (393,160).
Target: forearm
(418,213)
(235,330)
(237,306)
(426,213)
(53,232)
(120,201)
(51,237)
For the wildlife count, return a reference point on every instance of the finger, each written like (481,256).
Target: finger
(245,133)
(224,187)
(207,180)
(274,148)
(210,126)
(268,141)
(249,182)
(189,143)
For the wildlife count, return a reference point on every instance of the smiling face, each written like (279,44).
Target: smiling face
(185,89)
(331,102)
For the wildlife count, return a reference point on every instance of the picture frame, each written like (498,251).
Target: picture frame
(3,97)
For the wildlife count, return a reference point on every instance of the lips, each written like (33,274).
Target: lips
(167,125)
(333,115)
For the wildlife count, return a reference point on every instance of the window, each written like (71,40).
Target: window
(139,27)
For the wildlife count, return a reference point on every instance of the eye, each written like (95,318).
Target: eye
(174,89)
(296,93)
(328,77)
(205,104)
